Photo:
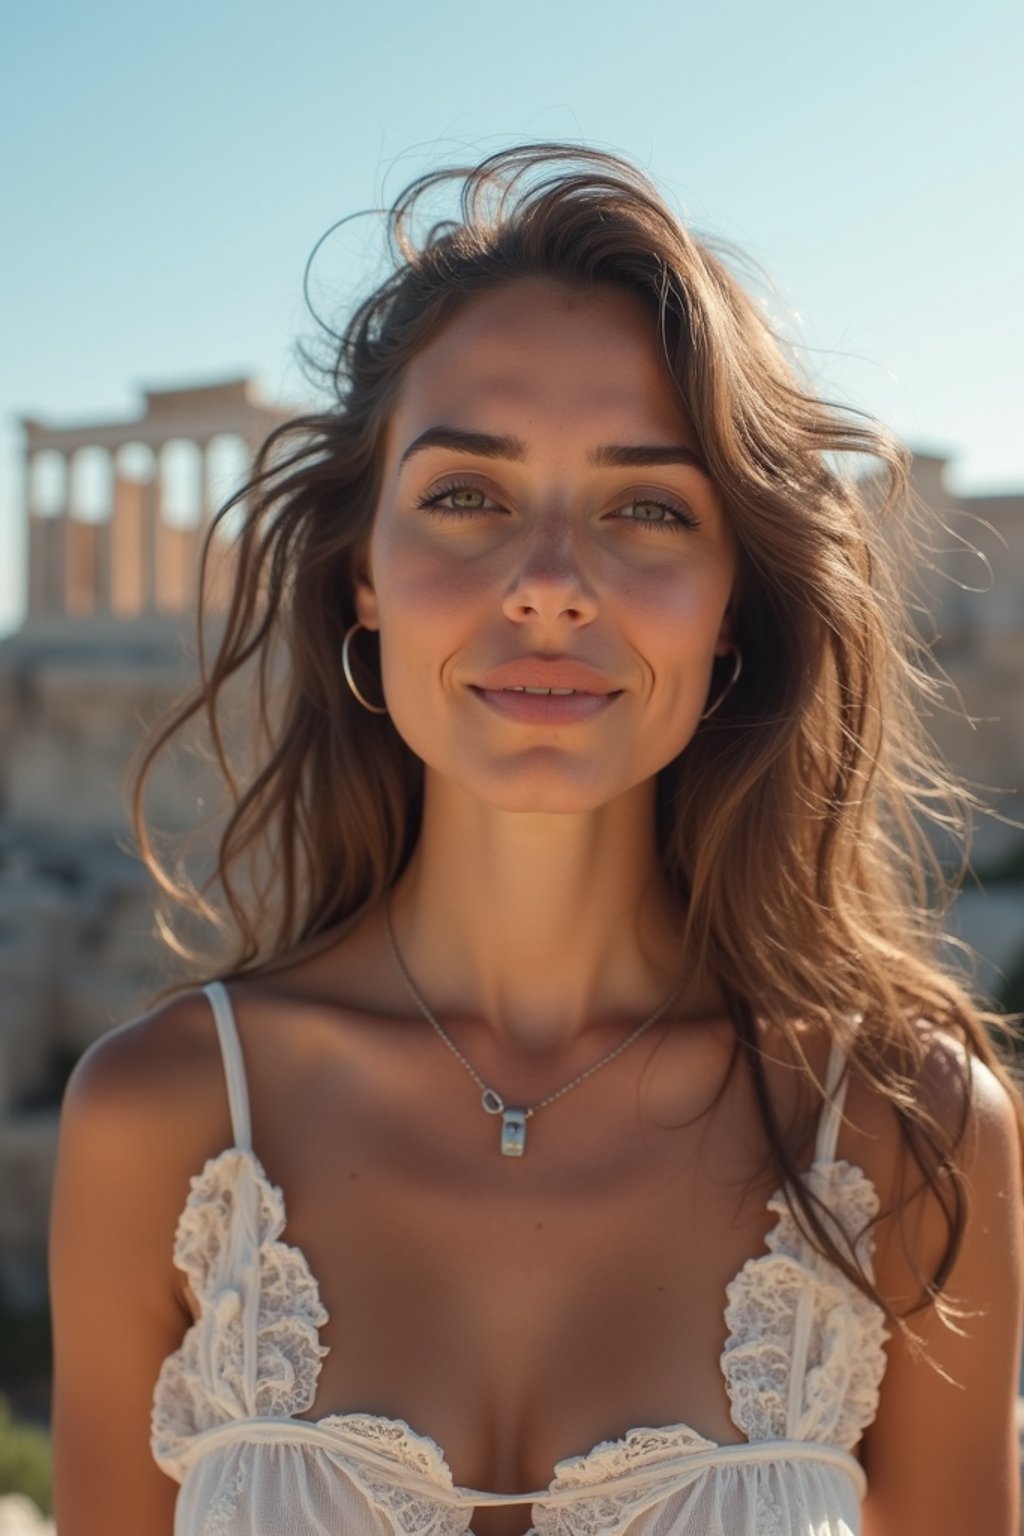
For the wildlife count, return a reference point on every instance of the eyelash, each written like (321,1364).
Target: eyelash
(679,520)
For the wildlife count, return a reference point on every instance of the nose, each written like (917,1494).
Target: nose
(549,583)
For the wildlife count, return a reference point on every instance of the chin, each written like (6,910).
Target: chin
(541,790)
(551,804)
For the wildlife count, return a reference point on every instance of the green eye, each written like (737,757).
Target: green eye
(649,512)
(467,498)
(455,500)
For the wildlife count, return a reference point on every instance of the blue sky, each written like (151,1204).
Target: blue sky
(168,169)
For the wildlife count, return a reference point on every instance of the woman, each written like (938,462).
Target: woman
(644,1170)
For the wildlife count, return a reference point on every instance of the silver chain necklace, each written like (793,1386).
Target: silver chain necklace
(513,1121)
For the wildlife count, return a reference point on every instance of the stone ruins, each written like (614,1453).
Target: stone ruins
(115,512)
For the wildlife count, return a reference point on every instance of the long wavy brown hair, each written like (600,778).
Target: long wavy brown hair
(795,823)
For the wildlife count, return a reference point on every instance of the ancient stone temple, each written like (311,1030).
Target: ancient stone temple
(116,509)
(115,513)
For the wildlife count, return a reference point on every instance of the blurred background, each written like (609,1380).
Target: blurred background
(167,171)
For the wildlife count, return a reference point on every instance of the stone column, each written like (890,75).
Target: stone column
(35,542)
(192,535)
(47,547)
(126,536)
(151,526)
(104,553)
(79,567)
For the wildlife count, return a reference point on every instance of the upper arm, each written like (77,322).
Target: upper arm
(121,1179)
(941,1456)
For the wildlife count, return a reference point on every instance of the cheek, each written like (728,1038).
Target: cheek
(412,574)
(429,609)
(421,589)
(675,639)
(682,611)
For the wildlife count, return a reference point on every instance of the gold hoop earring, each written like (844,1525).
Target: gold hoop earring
(375,709)
(730,685)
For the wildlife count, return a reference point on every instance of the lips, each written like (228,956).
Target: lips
(545,709)
(549,672)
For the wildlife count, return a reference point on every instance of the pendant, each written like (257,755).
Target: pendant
(513,1123)
(513,1133)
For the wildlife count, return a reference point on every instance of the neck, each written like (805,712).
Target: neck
(540,930)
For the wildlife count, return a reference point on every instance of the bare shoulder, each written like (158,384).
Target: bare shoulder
(963,1096)
(941,1454)
(973,1114)
(145,1106)
(158,1077)
(966,1096)
(972,1104)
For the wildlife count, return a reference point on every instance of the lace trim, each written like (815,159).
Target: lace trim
(638,1448)
(395,1438)
(611,1509)
(203,1383)
(790,1289)
(411,1512)
(222,1511)
(767,1513)
(608,1510)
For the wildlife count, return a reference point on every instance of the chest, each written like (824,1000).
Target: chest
(522,1312)
(519,1311)
(780,1303)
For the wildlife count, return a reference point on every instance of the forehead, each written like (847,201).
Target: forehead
(581,357)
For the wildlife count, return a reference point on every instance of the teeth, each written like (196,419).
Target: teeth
(559,692)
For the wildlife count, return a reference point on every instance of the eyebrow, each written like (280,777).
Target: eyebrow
(486,445)
(637,455)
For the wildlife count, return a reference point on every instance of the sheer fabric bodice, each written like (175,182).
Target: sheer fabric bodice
(802,1364)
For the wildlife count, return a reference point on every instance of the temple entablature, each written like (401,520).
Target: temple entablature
(117,510)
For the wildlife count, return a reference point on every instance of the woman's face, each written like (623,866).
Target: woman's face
(543,505)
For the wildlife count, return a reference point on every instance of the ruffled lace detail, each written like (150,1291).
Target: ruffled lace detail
(220,1514)
(611,1508)
(227,1245)
(805,1354)
(394,1438)
(411,1511)
(769,1515)
(638,1448)
(804,1359)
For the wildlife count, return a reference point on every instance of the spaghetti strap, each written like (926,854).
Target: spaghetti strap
(832,1113)
(234,1063)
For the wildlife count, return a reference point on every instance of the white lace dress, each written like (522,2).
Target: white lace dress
(803,1363)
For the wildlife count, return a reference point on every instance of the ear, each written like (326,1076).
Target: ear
(726,640)
(364,592)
